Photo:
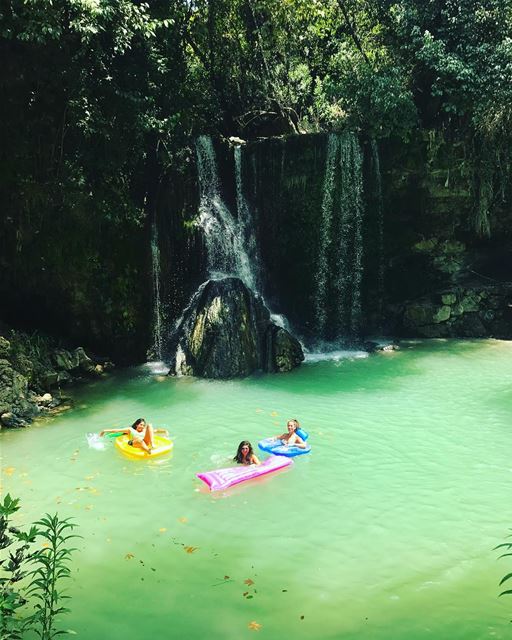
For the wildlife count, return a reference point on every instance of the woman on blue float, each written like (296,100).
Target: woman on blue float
(245,454)
(291,437)
(141,434)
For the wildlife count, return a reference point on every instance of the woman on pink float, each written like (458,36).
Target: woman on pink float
(245,454)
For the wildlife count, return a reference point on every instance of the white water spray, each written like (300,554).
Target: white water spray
(226,237)
(340,255)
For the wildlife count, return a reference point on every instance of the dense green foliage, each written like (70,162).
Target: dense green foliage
(103,97)
(32,576)
(95,88)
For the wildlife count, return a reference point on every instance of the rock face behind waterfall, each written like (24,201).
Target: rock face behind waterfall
(226,332)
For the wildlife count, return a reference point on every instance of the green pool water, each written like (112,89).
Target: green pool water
(385,531)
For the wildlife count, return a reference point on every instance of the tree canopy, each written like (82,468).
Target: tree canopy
(96,90)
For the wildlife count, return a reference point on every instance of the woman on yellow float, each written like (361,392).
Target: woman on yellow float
(141,434)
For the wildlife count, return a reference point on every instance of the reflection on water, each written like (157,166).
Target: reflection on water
(386,530)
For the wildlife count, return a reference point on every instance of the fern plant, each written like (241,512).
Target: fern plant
(13,570)
(51,566)
(40,570)
(508,547)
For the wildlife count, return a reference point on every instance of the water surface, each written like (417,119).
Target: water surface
(385,531)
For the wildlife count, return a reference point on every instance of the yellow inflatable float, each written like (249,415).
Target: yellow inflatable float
(162,445)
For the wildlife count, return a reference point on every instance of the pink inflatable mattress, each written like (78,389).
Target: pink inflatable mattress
(224,478)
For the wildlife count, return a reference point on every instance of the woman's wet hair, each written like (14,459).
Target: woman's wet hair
(295,423)
(239,455)
(137,422)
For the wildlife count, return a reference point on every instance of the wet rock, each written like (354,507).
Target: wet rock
(12,421)
(284,351)
(226,332)
(373,347)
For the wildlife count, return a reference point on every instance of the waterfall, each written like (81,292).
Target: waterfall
(377,189)
(229,241)
(340,254)
(246,223)
(157,306)
(325,235)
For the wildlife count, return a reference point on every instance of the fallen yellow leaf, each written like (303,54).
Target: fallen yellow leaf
(183,520)
(248,582)
(162,529)
(254,626)
(129,556)
(9,471)
(274,414)
(191,549)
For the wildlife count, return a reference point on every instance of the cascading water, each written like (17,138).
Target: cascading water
(245,223)
(157,304)
(229,241)
(340,254)
(377,196)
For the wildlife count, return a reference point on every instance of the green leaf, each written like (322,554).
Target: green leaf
(507,577)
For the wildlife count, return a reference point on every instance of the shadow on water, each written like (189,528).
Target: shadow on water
(378,371)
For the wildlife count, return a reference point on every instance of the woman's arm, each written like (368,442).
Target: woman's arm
(298,442)
(255,459)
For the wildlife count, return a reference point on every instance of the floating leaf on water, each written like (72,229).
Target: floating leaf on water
(191,549)
(183,520)
(248,582)
(162,529)
(226,577)
(284,590)
(302,617)
(129,556)
(274,414)
(249,597)
(245,593)
(254,626)
(9,471)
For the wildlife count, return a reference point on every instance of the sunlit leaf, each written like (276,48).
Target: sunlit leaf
(191,549)
(129,556)
(248,582)
(254,626)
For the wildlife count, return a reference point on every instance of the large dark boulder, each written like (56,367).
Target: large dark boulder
(226,332)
